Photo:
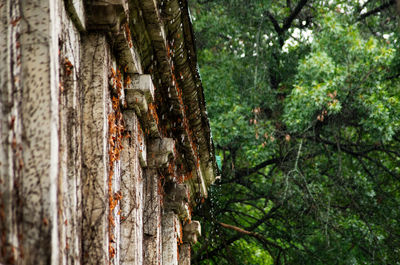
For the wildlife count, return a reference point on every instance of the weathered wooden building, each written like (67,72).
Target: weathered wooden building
(105,141)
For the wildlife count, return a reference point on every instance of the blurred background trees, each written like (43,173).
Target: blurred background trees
(304,102)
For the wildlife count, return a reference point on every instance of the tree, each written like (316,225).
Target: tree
(304,105)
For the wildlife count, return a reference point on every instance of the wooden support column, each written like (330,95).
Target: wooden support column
(29,45)
(152,218)
(70,163)
(159,154)
(95,149)
(11,160)
(176,204)
(131,251)
(191,231)
(184,254)
(171,235)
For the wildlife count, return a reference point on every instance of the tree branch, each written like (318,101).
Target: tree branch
(252,234)
(248,171)
(288,21)
(239,236)
(376,10)
(274,23)
(393,76)
(357,154)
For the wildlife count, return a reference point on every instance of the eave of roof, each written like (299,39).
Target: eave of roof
(166,37)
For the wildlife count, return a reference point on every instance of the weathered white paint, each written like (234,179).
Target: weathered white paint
(145,84)
(54,129)
(191,231)
(10,128)
(170,238)
(184,254)
(70,196)
(131,250)
(95,149)
(78,6)
(54,143)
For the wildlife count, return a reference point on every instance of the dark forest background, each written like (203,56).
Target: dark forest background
(304,102)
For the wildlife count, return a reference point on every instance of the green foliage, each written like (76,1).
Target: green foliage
(345,72)
(303,98)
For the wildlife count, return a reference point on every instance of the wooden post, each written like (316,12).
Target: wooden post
(95,149)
